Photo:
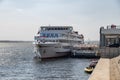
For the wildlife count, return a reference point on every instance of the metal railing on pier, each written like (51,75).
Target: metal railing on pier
(109,52)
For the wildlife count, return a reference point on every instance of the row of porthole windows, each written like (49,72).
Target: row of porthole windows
(59,28)
(49,35)
(64,41)
(49,40)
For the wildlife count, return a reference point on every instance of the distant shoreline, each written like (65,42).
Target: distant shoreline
(7,41)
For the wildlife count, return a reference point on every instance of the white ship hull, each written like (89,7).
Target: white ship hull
(51,50)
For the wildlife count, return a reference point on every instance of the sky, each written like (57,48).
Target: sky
(21,19)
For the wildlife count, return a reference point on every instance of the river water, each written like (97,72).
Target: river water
(17,63)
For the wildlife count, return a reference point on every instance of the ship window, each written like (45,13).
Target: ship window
(47,35)
(43,28)
(56,35)
(48,28)
(66,47)
(52,35)
(52,28)
(59,35)
(70,28)
(56,40)
(43,35)
(58,28)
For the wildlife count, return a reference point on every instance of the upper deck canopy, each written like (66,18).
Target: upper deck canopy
(56,28)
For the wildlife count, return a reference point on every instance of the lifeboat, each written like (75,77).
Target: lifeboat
(89,69)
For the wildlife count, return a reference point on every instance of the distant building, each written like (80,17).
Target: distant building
(110,36)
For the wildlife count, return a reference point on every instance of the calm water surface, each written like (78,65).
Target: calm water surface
(17,63)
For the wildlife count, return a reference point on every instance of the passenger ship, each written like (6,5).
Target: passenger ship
(56,41)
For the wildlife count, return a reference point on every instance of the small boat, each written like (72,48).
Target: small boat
(89,69)
(93,63)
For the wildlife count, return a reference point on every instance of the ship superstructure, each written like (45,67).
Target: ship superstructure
(56,41)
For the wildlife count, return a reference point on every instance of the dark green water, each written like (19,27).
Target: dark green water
(17,63)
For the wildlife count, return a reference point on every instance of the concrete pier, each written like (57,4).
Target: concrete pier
(115,68)
(101,71)
(107,69)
